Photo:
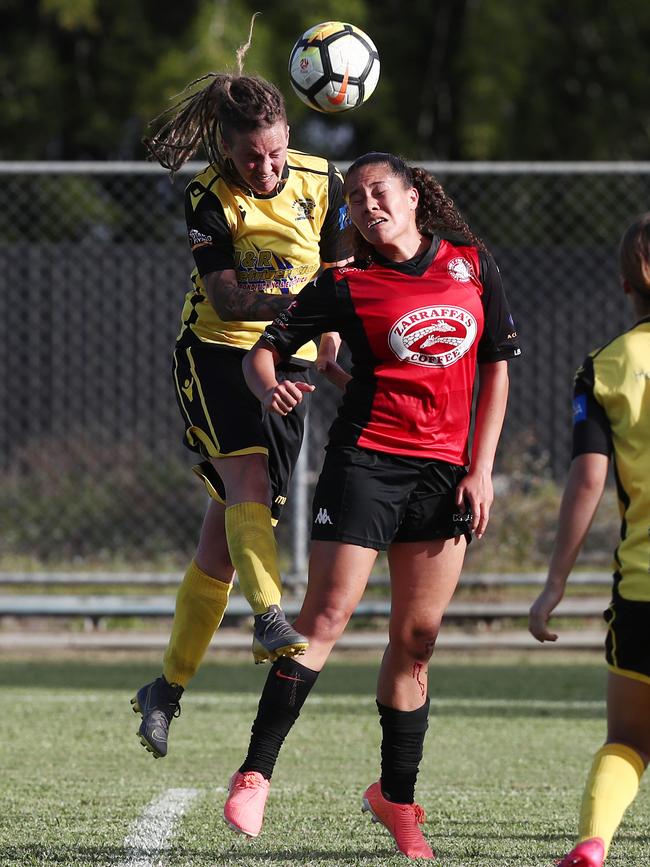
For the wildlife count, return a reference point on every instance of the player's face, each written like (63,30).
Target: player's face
(260,156)
(381,208)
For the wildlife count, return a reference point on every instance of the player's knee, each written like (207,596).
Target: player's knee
(417,641)
(327,625)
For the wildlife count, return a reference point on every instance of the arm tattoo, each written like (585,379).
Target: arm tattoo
(236,303)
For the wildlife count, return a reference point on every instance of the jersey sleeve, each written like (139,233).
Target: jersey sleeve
(312,313)
(591,428)
(208,230)
(499,338)
(335,245)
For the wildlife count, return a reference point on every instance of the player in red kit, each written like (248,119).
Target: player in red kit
(421,309)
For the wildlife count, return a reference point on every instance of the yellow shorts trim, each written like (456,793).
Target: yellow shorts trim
(633,675)
(194,433)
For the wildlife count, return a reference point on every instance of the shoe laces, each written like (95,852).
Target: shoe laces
(420,815)
(249,780)
(277,621)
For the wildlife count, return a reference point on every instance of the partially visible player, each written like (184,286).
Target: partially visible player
(422,311)
(612,419)
(262,220)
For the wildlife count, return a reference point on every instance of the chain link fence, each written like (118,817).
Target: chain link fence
(94,265)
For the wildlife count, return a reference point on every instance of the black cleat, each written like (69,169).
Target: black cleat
(274,637)
(159,703)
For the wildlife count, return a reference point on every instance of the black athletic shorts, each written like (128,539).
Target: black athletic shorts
(224,418)
(372,499)
(627,644)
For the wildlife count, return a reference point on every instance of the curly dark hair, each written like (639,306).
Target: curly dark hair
(634,255)
(435,214)
(229,103)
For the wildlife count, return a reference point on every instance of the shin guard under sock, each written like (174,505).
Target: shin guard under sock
(611,787)
(402,745)
(254,554)
(287,686)
(200,605)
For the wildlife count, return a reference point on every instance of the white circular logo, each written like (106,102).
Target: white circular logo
(433,336)
(460,269)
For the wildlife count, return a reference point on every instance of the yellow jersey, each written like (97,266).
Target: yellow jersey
(274,243)
(612,416)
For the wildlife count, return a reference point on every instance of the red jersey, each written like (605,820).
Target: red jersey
(416,331)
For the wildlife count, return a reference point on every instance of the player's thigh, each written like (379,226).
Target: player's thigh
(338,574)
(245,478)
(423,578)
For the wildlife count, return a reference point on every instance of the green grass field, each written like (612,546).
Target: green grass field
(509,743)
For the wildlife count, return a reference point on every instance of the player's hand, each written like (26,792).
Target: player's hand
(541,610)
(475,493)
(284,396)
(334,372)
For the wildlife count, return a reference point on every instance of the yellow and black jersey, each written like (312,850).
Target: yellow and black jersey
(274,243)
(611,412)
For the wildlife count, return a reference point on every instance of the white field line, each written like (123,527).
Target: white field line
(149,833)
(246,698)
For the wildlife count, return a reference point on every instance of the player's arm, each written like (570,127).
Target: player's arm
(210,236)
(259,372)
(335,253)
(475,491)
(234,303)
(309,316)
(592,446)
(582,494)
(498,344)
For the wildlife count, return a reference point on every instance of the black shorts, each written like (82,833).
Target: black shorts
(223,417)
(627,644)
(373,499)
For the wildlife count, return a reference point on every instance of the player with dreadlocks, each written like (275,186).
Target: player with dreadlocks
(262,220)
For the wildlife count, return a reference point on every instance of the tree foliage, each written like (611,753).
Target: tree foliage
(461,79)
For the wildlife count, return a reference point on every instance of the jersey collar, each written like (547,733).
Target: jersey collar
(415,266)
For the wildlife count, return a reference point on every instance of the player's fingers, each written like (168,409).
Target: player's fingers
(482,523)
(304,386)
(538,626)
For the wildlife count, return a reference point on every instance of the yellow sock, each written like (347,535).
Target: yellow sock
(254,554)
(611,787)
(200,605)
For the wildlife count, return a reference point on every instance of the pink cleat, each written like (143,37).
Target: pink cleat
(244,807)
(589,853)
(402,820)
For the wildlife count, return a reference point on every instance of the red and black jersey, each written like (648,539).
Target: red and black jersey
(416,331)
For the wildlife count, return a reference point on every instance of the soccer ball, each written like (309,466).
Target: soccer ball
(334,67)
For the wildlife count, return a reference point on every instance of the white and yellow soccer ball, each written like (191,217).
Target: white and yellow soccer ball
(334,67)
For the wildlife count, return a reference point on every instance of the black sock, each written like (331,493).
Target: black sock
(402,744)
(287,686)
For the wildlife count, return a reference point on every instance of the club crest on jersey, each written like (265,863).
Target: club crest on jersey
(433,336)
(304,209)
(460,269)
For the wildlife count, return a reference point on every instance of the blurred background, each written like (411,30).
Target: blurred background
(534,116)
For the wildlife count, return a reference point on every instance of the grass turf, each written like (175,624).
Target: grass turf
(509,743)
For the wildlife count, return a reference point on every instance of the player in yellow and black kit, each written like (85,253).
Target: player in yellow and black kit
(262,220)
(612,418)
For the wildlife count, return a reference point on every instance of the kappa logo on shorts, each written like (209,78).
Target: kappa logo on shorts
(322,517)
